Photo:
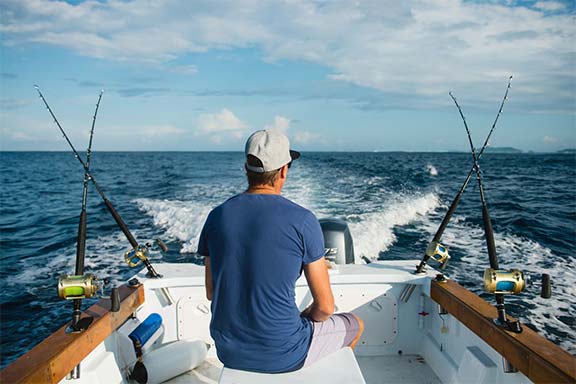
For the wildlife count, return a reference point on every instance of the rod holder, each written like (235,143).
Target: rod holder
(546,291)
(115,300)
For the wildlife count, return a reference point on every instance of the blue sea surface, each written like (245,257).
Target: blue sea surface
(393,202)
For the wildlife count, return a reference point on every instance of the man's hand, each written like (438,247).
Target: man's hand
(322,306)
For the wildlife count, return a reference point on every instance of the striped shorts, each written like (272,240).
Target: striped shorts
(331,335)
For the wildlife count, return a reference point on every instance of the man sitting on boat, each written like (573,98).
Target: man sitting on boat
(256,245)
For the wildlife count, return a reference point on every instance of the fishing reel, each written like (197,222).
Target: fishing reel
(504,282)
(513,281)
(438,253)
(73,287)
(136,256)
(78,287)
(139,255)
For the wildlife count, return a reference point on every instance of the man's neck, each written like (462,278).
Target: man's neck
(263,190)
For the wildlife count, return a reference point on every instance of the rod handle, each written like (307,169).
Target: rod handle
(81,244)
(162,245)
(115,300)
(546,292)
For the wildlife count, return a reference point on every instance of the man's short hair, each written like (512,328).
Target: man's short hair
(260,178)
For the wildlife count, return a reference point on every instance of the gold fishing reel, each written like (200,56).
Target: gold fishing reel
(438,253)
(71,287)
(136,256)
(139,255)
(502,281)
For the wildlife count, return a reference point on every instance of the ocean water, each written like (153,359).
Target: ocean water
(393,203)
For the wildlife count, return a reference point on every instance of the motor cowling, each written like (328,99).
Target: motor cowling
(337,241)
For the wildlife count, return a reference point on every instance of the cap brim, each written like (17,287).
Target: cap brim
(294,155)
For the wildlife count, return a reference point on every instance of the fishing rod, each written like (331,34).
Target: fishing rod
(489,234)
(81,243)
(436,250)
(79,325)
(139,253)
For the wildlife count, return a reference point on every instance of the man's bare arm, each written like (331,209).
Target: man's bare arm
(322,306)
(208,278)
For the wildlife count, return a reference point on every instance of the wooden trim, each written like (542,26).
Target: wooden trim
(52,359)
(539,359)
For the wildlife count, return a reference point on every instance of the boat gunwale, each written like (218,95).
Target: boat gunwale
(57,355)
(536,357)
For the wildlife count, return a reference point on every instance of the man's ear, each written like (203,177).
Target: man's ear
(284,171)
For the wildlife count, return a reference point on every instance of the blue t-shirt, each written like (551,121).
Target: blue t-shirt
(257,246)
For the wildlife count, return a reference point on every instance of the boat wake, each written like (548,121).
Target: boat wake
(181,220)
(373,232)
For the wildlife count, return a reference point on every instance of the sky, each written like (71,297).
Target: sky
(182,75)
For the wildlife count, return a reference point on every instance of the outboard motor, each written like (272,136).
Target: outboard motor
(337,241)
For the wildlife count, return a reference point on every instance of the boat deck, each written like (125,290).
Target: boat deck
(396,369)
(375,369)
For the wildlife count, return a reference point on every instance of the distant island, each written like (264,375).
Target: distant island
(502,150)
(516,150)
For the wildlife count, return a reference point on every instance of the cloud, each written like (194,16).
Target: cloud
(550,140)
(300,137)
(221,125)
(140,91)
(549,6)
(280,123)
(11,104)
(184,69)
(415,50)
(161,130)
(8,76)
(304,137)
(15,135)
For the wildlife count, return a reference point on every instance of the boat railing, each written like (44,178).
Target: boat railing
(55,357)
(537,358)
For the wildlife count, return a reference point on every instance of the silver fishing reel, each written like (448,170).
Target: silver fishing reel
(438,253)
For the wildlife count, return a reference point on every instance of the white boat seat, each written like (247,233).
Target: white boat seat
(339,367)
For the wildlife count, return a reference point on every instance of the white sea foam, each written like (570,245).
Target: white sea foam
(373,232)
(104,257)
(432,170)
(182,220)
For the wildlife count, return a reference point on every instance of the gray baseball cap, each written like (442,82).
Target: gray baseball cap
(272,148)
